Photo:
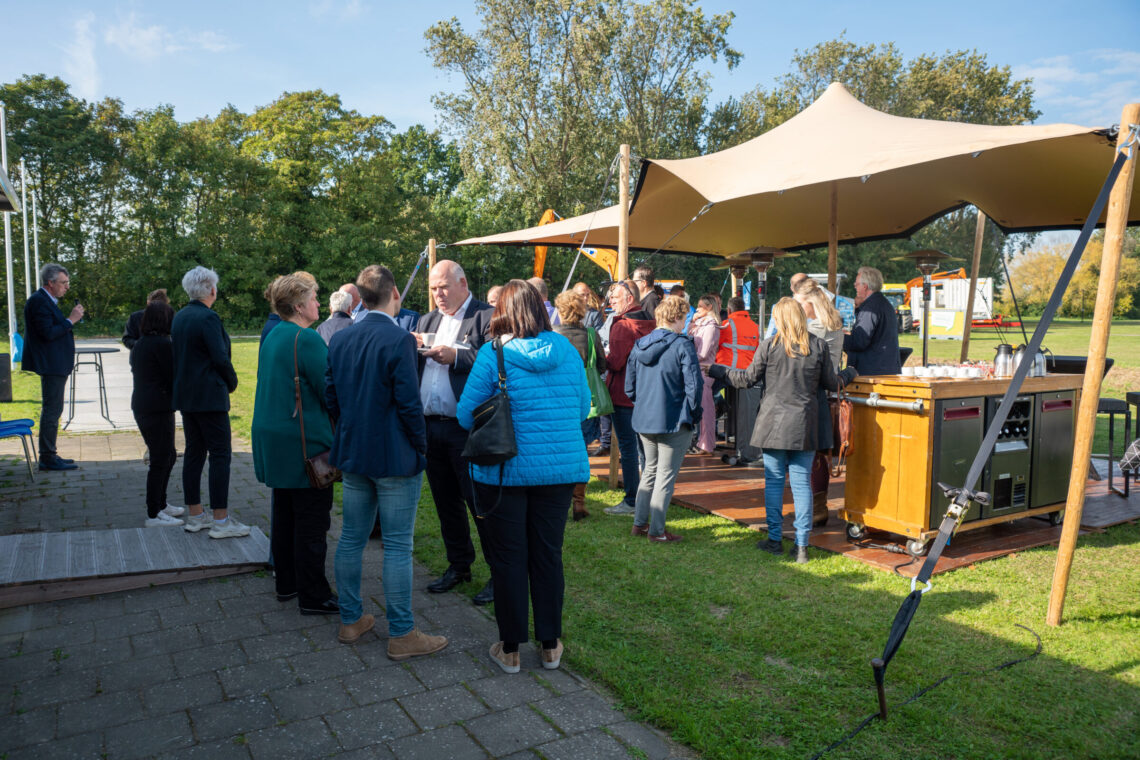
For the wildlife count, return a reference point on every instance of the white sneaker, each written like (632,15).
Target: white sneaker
(231,528)
(163,520)
(201,521)
(621,508)
(172,510)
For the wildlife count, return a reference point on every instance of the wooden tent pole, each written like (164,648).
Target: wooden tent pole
(1117,219)
(622,270)
(979,235)
(431,264)
(833,240)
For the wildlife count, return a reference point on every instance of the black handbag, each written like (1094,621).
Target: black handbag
(492,436)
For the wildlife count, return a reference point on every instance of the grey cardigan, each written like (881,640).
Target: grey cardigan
(789,413)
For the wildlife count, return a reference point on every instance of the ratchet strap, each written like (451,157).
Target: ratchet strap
(961,497)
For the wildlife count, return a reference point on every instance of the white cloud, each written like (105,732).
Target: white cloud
(79,64)
(1086,87)
(148,43)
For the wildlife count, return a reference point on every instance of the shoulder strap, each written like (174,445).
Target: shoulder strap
(497,347)
(298,410)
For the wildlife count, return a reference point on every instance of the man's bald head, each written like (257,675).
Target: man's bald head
(448,286)
(351,289)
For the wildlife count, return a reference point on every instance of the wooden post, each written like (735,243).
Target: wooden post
(979,235)
(623,214)
(1118,204)
(833,241)
(431,264)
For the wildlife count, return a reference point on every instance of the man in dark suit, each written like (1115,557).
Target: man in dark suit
(133,331)
(340,303)
(459,326)
(49,351)
(371,387)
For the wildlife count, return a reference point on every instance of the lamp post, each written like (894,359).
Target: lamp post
(927,262)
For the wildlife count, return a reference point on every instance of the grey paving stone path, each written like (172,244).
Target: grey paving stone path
(220,669)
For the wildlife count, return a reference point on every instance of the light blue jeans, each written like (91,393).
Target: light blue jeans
(798,466)
(396,500)
(664,453)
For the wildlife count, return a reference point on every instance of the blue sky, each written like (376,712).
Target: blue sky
(199,56)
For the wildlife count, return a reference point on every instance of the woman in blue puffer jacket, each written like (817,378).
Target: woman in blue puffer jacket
(663,380)
(549,399)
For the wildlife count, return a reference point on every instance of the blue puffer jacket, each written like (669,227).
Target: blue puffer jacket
(663,379)
(549,400)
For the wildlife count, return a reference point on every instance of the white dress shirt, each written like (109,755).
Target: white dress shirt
(435,387)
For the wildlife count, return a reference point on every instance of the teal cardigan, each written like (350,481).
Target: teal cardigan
(277,459)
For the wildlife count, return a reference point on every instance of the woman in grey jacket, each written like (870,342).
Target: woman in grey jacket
(793,365)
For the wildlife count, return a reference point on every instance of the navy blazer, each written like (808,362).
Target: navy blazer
(472,331)
(372,392)
(873,345)
(204,376)
(49,345)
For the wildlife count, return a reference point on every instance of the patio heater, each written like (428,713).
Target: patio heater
(761,258)
(927,262)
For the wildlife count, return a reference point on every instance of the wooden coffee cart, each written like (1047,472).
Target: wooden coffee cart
(929,431)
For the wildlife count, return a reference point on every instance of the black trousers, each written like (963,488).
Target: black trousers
(206,432)
(450,486)
(51,394)
(525,533)
(300,522)
(157,430)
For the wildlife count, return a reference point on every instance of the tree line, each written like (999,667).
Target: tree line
(548,91)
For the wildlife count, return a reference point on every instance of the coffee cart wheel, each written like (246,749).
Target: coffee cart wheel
(1056,518)
(917,548)
(855,531)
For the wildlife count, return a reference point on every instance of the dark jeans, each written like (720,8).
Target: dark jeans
(206,432)
(450,486)
(157,430)
(51,393)
(300,522)
(525,533)
(629,446)
(605,428)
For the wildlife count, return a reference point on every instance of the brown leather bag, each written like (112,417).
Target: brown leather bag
(842,411)
(321,472)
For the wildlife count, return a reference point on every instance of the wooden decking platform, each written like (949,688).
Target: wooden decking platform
(705,484)
(37,567)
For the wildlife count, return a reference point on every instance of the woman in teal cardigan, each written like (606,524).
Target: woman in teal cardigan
(300,512)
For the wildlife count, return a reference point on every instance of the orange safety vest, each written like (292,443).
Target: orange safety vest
(739,337)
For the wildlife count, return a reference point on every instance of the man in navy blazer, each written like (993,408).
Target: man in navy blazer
(460,327)
(380,445)
(49,351)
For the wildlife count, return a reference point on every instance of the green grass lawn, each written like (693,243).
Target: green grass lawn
(741,655)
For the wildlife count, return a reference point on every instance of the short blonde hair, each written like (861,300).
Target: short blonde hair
(289,291)
(571,308)
(670,310)
(791,327)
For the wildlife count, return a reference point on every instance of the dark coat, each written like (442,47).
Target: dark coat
(873,345)
(204,376)
(580,340)
(49,343)
(133,331)
(407,319)
(789,413)
(334,324)
(270,322)
(152,364)
(472,331)
(663,380)
(371,388)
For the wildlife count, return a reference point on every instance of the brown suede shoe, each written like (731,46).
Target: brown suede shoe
(552,658)
(508,662)
(414,644)
(349,634)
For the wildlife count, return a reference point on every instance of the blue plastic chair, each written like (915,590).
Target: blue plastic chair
(22,429)
(17,348)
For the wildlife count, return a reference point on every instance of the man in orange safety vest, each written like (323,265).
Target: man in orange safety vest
(739,337)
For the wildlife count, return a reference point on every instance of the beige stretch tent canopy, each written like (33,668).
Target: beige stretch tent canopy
(892,175)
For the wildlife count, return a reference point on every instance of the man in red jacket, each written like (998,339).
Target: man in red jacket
(739,337)
(630,323)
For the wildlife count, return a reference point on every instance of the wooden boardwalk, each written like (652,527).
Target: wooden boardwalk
(707,485)
(43,566)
